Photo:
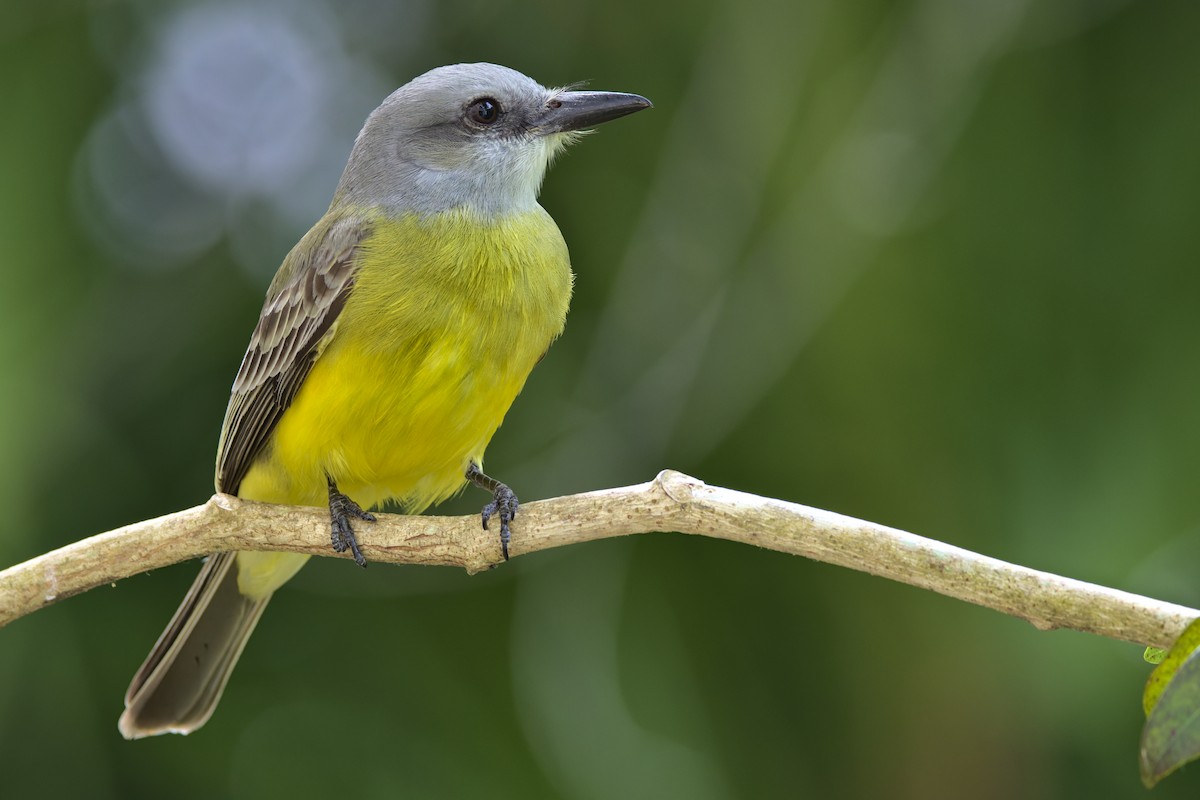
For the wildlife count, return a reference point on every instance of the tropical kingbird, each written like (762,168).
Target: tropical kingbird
(392,342)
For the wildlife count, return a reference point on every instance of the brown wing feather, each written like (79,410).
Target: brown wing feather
(297,319)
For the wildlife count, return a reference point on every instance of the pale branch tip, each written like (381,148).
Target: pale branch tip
(671,502)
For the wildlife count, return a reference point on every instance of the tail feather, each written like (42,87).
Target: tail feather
(179,684)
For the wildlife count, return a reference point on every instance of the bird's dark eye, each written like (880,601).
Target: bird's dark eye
(484,111)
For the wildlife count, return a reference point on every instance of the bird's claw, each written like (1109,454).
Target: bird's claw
(341,533)
(504,504)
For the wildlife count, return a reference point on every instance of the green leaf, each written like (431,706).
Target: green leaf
(1184,646)
(1154,655)
(1171,736)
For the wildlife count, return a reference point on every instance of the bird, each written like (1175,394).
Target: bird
(393,340)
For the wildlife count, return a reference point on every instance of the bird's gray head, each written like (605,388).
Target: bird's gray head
(473,136)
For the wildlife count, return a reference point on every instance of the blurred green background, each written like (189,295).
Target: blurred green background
(930,263)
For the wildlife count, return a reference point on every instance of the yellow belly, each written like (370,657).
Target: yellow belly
(446,319)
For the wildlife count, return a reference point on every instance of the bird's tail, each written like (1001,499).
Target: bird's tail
(178,686)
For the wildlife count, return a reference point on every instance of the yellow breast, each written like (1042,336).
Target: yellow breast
(448,315)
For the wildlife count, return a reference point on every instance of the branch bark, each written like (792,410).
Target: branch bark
(671,502)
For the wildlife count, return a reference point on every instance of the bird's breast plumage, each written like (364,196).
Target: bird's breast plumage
(447,316)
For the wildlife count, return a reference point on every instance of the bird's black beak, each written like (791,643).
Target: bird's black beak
(573,111)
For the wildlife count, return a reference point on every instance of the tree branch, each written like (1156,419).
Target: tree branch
(671,502)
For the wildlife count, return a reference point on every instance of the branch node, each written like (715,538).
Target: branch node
(679,487)
(224,502)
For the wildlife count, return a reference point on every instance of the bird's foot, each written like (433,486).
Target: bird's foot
(504,504)
(341,510)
